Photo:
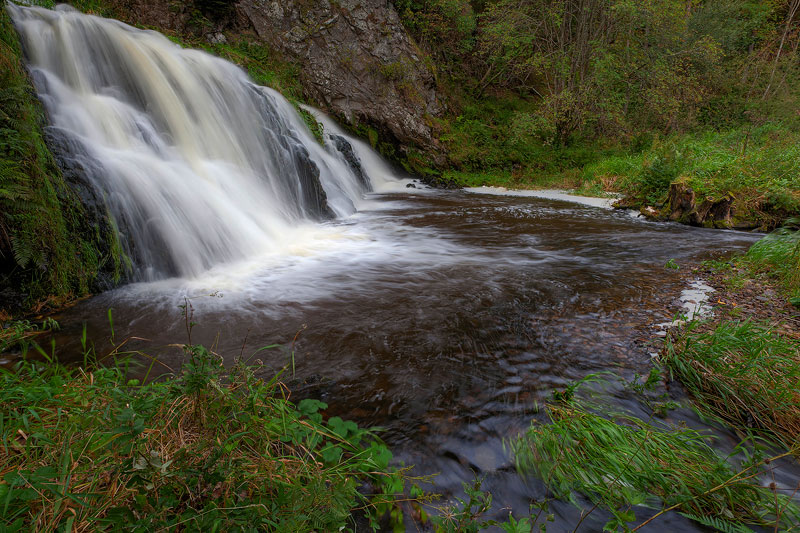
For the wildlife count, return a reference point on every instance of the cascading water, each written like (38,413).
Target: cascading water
(379,175)
(195,163)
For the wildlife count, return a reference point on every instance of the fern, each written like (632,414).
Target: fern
(23,251)
(719,524)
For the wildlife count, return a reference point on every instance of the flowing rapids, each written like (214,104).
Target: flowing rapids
(445,317)
(197,165)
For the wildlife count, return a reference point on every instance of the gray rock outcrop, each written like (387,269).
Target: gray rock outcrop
(357,60)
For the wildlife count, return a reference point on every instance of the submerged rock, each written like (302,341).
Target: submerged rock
(313,198)
(353,161)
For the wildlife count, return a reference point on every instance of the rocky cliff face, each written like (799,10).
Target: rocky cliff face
(357,61)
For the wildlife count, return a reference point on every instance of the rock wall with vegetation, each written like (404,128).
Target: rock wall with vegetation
(54,242)
(353,58)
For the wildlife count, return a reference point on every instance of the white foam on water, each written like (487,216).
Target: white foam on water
(546,194)
(694,305)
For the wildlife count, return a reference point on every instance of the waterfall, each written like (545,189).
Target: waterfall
(196,165)
(369,166)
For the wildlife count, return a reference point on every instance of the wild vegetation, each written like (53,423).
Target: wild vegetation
(613,95)
(203,449)
(746,370)
(46,249)
(778,256)
(625,465)
(597,95)
(742,371)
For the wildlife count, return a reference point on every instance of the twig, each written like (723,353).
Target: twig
(720,486)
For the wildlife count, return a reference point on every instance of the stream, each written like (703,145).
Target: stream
(444,317)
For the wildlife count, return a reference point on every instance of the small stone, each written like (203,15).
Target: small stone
(216,38)
(649,212)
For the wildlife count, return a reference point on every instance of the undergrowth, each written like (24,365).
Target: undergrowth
(757,166)
(620,463)
(778,255)
(490,144)
(46,247)
(744,372)
(207,449)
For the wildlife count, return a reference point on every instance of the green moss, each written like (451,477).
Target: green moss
(372,135)
(45,248)
(263,65)
(312,124)
(395,71)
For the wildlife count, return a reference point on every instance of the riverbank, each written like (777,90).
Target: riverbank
(202,449)
(744,178)
(743,364)
(229,412)
(739,362)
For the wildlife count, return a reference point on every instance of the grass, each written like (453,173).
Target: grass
(758,166)
(623,462)
(491,142)
(742,371)
(205,449)
(747,371)
(778,255)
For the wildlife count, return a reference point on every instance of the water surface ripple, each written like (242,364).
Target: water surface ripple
(444,317)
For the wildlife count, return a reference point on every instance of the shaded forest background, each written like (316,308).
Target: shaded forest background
(619,94)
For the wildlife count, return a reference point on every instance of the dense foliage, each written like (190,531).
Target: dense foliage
(543,88)
(617,67)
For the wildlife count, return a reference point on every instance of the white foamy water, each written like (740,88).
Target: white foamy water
(546,194)
(694,305)
(383,178)
(197,165)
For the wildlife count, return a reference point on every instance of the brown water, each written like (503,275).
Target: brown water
(445,318)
